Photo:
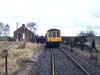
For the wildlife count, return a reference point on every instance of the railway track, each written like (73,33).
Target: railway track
(74,61)
(56,62)
(62,62)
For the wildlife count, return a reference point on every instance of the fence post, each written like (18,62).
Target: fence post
(5,55)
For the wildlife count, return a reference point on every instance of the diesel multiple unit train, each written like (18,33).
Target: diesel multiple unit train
(53,38)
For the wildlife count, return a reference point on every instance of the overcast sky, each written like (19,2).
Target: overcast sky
(71,16)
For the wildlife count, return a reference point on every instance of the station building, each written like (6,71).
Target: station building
(23,33)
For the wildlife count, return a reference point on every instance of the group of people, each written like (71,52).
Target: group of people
(93,46)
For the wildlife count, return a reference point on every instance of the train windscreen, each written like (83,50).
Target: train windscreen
(50,34)
(58,34)
(54,34)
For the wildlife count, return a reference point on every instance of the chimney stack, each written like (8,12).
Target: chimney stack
(23,25)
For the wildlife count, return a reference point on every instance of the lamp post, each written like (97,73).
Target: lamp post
(5,55)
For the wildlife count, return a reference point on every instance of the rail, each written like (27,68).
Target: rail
(74,61)
(52,63)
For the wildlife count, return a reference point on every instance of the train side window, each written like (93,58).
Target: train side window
(54,34)
(58,34)
(50,34)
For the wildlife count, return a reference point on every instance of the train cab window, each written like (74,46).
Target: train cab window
(54,34)
(50,34)
(58,34)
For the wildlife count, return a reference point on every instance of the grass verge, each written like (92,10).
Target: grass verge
(17,56)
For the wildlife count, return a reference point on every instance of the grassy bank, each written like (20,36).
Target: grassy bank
(17,55)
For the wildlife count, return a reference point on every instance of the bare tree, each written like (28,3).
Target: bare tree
(4,29)
(32,26)
(1,29)
(90,33)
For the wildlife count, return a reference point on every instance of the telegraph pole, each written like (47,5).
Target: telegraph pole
(16,29)
(16,25)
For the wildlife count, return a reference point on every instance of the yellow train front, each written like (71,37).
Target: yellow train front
(53,38)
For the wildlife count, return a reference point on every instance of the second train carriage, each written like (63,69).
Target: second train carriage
(53,38)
